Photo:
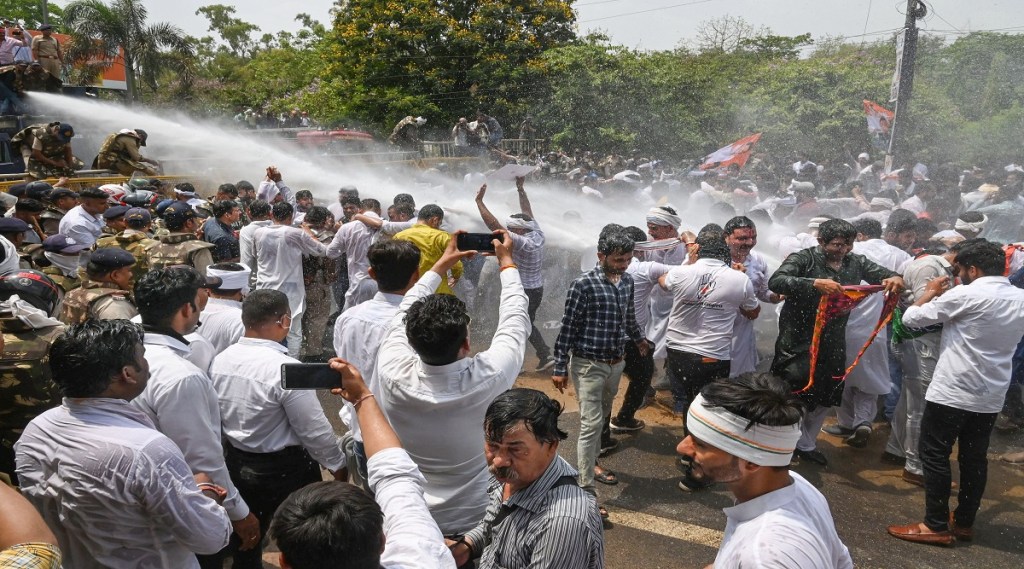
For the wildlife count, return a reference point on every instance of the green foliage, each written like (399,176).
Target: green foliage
(29,13)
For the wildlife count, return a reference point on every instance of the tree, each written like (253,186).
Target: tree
(29,13)
(725,34)
(441,58)
(99,30)
(237,34)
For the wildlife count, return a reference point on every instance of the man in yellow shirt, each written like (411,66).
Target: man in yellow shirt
(46,51)
(431,241)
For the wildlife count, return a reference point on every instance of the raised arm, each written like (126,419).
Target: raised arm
(490,221)
(524,200)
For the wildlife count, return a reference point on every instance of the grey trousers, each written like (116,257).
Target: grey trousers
(596,384)
(918,357)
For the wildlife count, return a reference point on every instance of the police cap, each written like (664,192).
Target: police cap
(112,258)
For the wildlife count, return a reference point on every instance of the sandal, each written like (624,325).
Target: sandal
(606,476)
(603,511)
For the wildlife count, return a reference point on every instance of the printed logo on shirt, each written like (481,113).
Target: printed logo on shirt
(705,286)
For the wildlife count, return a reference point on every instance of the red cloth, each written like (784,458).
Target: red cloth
(835,305)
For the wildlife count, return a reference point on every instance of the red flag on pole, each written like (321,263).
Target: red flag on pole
(736,153)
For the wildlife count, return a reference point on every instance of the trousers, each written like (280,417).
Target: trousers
(917,357)
(535,295)
(595,384)
(639,369)
(690,373)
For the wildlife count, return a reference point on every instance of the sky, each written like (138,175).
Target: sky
(665,24)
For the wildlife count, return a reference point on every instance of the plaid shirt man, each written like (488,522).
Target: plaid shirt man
(598,318)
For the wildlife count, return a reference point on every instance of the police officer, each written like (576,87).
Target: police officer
(61,255)
(181,246)
(120,152)
(113,220)
(135,239)
(61,200)
(105,295)
(49,153)
(12,234)
(25,387)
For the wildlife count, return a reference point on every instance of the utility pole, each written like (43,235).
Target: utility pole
(46,12)
(898,146)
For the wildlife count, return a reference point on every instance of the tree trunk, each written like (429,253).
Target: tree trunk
(129,77)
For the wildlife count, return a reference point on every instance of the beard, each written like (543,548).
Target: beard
(610,270)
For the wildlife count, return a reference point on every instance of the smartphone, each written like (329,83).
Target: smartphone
(309,376)
(475,242)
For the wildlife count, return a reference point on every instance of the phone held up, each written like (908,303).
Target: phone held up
(475,242)
(309,376)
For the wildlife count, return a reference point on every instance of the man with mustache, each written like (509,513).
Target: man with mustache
(537,517)
(741,237)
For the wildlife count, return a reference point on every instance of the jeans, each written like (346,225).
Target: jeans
(690,373)
(264,481)
(639,369)
(595,384)
(535,295)
(918,358)
(941,427)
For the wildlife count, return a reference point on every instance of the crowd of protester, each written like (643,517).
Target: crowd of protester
(143,415)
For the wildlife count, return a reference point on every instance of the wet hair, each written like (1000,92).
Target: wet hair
(317,215)
(92,193)
(533,408)
(961,245)
(229,189)
(30,205)
(711,245)
(610,228)
(635,233)
(870,228)
(615,242)
(259,208)
(263,306)
(350,200)
(901,221)
(405,209)
(971,216)
(161,293)
(986,256)
(404,198)
(738,222)
(760,216)
(282,211)
(760,398)
(244,185)
(370,204)
(394,262)
(436,326)
(86,356)
(329,524)
(430,210)
(302,194)
(836,229)
(223,207)
(522,216)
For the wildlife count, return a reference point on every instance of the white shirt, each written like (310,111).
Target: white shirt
(180,401)
(12,261)
(115,491)
(528,255)
(201,351)
(358,334)
(705,298)
(8,46)
(438,411)
(981,325)
(790,527)
(259,415)
(279,251)
(81,226)
(221,323)
(337,211)
(645,280)
(412,539)
(915,205)
(880,252)
(743,357)
(354,240)
(246,248)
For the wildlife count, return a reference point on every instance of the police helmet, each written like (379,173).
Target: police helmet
(139,198)
(33,287)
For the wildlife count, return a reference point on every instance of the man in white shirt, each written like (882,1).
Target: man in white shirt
(344,209)
(353,240)
(359,332)
(706,296)
(742,433)
(982,322)
(221,321)
(326,522)
(279,250)
(179,398)
(259,213)
(273,189)
(436,395)
(741,237)
(114,491)
(84,222)
(528,244)
(276,438)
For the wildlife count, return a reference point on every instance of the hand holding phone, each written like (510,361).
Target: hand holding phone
(482,242)
(309,376)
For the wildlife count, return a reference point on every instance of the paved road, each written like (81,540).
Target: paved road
(655,525)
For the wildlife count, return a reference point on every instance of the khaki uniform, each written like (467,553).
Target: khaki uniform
(135,242)
(180,249)
(26,389)
(40,136)
(120,152)
(50,219)
(47,53)
(65,282)
(96,300)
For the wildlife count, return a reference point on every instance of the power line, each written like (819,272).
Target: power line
(645,11)
(939,16)
(596,3)
(867,17)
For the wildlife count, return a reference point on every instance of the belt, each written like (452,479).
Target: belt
(609,362)
(292,452)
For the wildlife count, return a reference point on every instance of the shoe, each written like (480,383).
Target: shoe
(893,458)
(608,446)
(691,484)
(627,424)
(859,438)
(1013,457)
(546,362)
(606,477)
(837,430)
(918,479)
(959,532)
(814,456)
(919,533)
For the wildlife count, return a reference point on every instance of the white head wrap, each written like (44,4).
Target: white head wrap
(658,215)
(267,191)
(520,223)
(760,444)
(882,202)
(232,280)
(816,222)
(962,225)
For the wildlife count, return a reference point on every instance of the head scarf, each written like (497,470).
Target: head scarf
(962,225)
(232,280)
(520,223)
(658,215)
(759,444)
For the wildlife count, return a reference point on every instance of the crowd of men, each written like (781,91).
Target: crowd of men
(27,63)
(145,328)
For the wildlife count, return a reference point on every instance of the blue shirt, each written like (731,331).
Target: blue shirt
(225,244)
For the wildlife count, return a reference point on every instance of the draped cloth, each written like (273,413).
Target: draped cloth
(834,305)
